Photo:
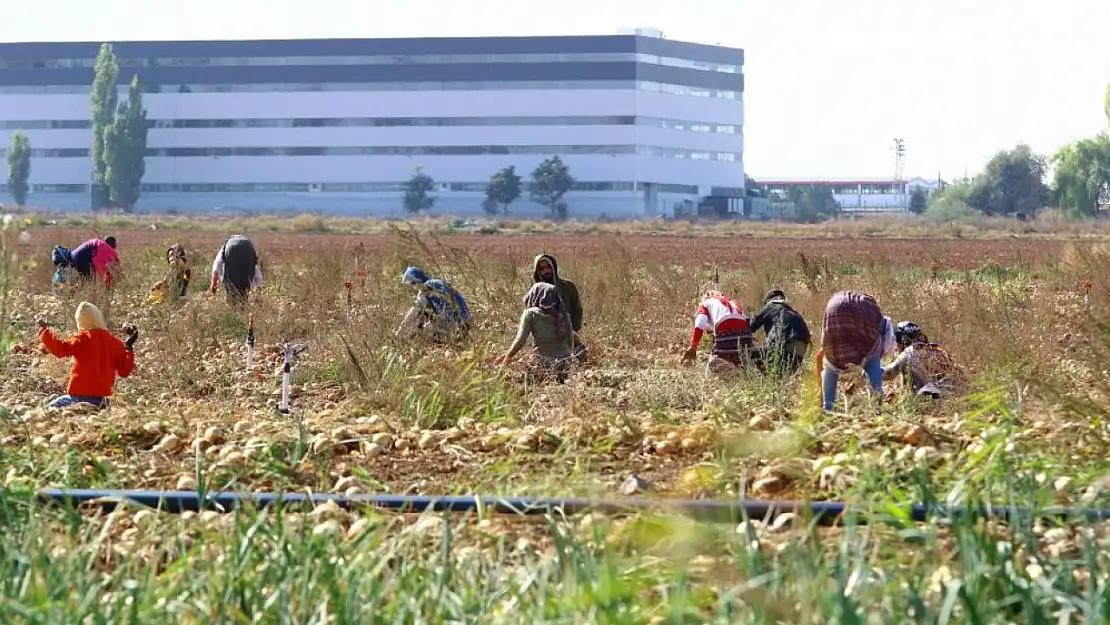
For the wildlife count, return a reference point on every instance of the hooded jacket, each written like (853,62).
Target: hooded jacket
(567,290)
(98,356)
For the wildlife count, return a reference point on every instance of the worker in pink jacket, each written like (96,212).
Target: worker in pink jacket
(96,256)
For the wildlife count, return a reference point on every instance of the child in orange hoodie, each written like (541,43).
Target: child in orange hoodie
(98,357)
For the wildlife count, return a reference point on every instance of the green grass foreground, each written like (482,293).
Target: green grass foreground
(330,567)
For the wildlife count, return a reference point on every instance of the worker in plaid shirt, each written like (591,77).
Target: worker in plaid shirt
(855,333)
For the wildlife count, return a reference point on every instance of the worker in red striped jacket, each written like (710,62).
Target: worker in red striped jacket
(725,320)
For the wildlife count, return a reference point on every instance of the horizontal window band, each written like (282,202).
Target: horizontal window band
(385,150)
(391,122)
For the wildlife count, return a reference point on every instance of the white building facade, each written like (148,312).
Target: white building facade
(338,126)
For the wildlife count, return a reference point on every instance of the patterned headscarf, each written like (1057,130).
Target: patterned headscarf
(545,296)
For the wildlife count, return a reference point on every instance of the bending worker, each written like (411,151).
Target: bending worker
(178,276)
(928,368)
(236,265)
(96,257)
(732,334)
(438,311)
(854,333)
(787,333)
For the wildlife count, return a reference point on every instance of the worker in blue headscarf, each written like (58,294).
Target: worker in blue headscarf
(439,312)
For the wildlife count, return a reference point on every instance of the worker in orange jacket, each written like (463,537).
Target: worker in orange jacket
(98,357)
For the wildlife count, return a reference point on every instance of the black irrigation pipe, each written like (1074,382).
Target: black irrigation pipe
(822,512)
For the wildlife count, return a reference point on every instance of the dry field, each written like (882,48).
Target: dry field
(373,415)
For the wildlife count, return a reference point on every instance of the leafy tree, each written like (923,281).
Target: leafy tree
(125,149)
(813,203)
(19,167)
(503,189)
(1012,182)
(1082,176)
(551,180)
(418,192)
(919,201)
(951,203)
(105,96)
(753,188)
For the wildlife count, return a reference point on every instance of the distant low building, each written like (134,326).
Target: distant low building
(857,195)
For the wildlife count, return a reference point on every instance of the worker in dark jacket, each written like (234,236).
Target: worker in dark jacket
(787,335)
(546,269)
(236,265)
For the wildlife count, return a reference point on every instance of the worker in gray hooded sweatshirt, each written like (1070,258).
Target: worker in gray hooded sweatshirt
(236,265)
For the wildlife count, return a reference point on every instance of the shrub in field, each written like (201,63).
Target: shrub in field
(308,223)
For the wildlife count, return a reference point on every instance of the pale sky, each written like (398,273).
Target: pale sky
(829,83)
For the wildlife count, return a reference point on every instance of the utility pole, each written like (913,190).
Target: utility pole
(899,166)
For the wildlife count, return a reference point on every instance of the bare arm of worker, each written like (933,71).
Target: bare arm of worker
(522,334)
(408,324)
(897,367)
(256,279)
(217,270)
(218,265)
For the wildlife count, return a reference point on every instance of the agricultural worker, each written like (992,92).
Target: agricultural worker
(546,269)
(787,334)
(724,318)
(178,277)
(98,357)
(928,368)
(236,265)
(854,333)
(439,312)
(546,320)
(96,256)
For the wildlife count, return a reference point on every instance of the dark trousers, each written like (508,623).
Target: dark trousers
(786,357)
(83,266)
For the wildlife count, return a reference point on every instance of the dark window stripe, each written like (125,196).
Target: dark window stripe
(390,122)
(353,187)
(428,150)
(459,72)
(408,46)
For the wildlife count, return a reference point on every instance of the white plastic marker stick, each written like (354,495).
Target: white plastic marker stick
(1087,286)
(286,377)
(250,341)
(291,352)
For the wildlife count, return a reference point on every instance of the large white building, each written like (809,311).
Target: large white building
(644,123)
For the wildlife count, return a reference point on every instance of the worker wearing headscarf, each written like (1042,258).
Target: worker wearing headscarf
(724,319)
(178,276)
(546,321)
(546,269)
(236,265)
(438,309)
(98,357)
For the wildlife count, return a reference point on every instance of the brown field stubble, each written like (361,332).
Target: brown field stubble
(374,415)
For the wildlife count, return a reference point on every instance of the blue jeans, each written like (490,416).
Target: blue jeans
(829,378)
(69,400)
